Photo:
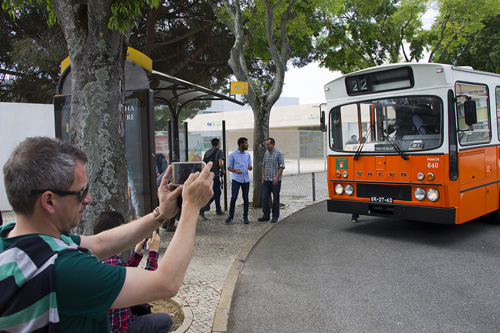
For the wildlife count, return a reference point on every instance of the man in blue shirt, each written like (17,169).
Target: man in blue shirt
(273,165)
(239,163)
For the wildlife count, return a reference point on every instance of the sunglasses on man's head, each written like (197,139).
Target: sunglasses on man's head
(82,193)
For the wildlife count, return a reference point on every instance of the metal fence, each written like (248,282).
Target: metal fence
(304,151)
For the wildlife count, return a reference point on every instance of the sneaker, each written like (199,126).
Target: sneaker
(245,220)
(229,220)
(263,218)
(219,213)
(354,220)
(203,217)
(274,220)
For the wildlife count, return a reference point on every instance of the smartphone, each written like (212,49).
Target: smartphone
(145,245)
(182,170)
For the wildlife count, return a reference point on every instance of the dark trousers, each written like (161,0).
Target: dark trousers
(235,189)
(267,189)
(154,322)
(215,198)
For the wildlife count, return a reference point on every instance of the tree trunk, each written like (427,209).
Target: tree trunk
(261,100)
(97,122)
(261,114)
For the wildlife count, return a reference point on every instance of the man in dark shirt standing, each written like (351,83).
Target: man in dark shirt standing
(216,156)
(273,165)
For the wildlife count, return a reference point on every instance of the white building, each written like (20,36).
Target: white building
(17,122)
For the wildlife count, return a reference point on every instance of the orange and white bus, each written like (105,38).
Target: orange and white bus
(414,141)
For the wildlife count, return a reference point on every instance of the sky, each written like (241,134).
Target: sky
(308,83)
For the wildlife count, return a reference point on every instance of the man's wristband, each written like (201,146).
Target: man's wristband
(158,217)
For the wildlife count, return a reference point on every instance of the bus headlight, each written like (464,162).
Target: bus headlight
(430,176)
(337,173)
(349,189)
(339,189)
(433,195)
(420,176)
(345,174)
(419,194)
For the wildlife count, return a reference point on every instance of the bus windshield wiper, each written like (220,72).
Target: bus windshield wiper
(360,147)
(395,145)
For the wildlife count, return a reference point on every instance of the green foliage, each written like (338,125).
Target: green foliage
(15,7)
(125,12)
(360,34)
(30,54)
(479,49)
(163,114)
(123,18)
(188,42)
(457,20)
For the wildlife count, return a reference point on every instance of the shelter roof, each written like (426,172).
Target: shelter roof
(178,92)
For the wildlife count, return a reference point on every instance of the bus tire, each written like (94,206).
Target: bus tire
(494,217)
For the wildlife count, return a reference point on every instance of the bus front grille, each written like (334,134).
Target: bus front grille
(396,192)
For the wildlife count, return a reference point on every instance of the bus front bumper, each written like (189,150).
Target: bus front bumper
(406,212)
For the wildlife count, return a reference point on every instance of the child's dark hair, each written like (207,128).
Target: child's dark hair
(108,220)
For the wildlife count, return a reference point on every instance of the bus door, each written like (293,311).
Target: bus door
(477,160)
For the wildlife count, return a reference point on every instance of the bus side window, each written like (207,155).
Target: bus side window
(480,131)
(497,93)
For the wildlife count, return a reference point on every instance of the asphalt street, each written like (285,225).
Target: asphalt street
(318,272)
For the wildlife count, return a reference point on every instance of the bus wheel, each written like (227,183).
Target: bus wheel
(494,217)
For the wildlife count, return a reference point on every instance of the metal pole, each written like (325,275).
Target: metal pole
(186,141)
(170,142)
(298,151)
(314,186)
(224,142)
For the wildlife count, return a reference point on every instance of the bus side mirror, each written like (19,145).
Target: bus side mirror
(322,123)
(470,112)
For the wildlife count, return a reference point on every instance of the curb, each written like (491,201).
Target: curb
(221,318)
(188,316)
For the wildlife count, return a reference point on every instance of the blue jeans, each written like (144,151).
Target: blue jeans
(235,189)
(215,198)
(154,322)
(267,188)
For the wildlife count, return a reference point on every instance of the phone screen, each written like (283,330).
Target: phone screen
(182,170)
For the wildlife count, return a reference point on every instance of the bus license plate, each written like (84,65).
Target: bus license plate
(381,199)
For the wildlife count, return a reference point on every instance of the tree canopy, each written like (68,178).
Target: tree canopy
(458,20)
(183,38)
(480,49)
(360,34)
(30,54)
(268,36)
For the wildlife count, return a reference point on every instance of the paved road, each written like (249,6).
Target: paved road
(317,272)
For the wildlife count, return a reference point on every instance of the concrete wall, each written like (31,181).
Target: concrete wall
(17,122)
(282,117)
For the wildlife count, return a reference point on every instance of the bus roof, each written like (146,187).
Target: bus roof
(401,76)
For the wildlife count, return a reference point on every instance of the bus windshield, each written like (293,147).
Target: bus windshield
(393,125)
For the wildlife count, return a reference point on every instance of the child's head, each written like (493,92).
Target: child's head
(108,220)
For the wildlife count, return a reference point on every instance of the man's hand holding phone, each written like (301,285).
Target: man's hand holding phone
(167,196)
(198,188)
